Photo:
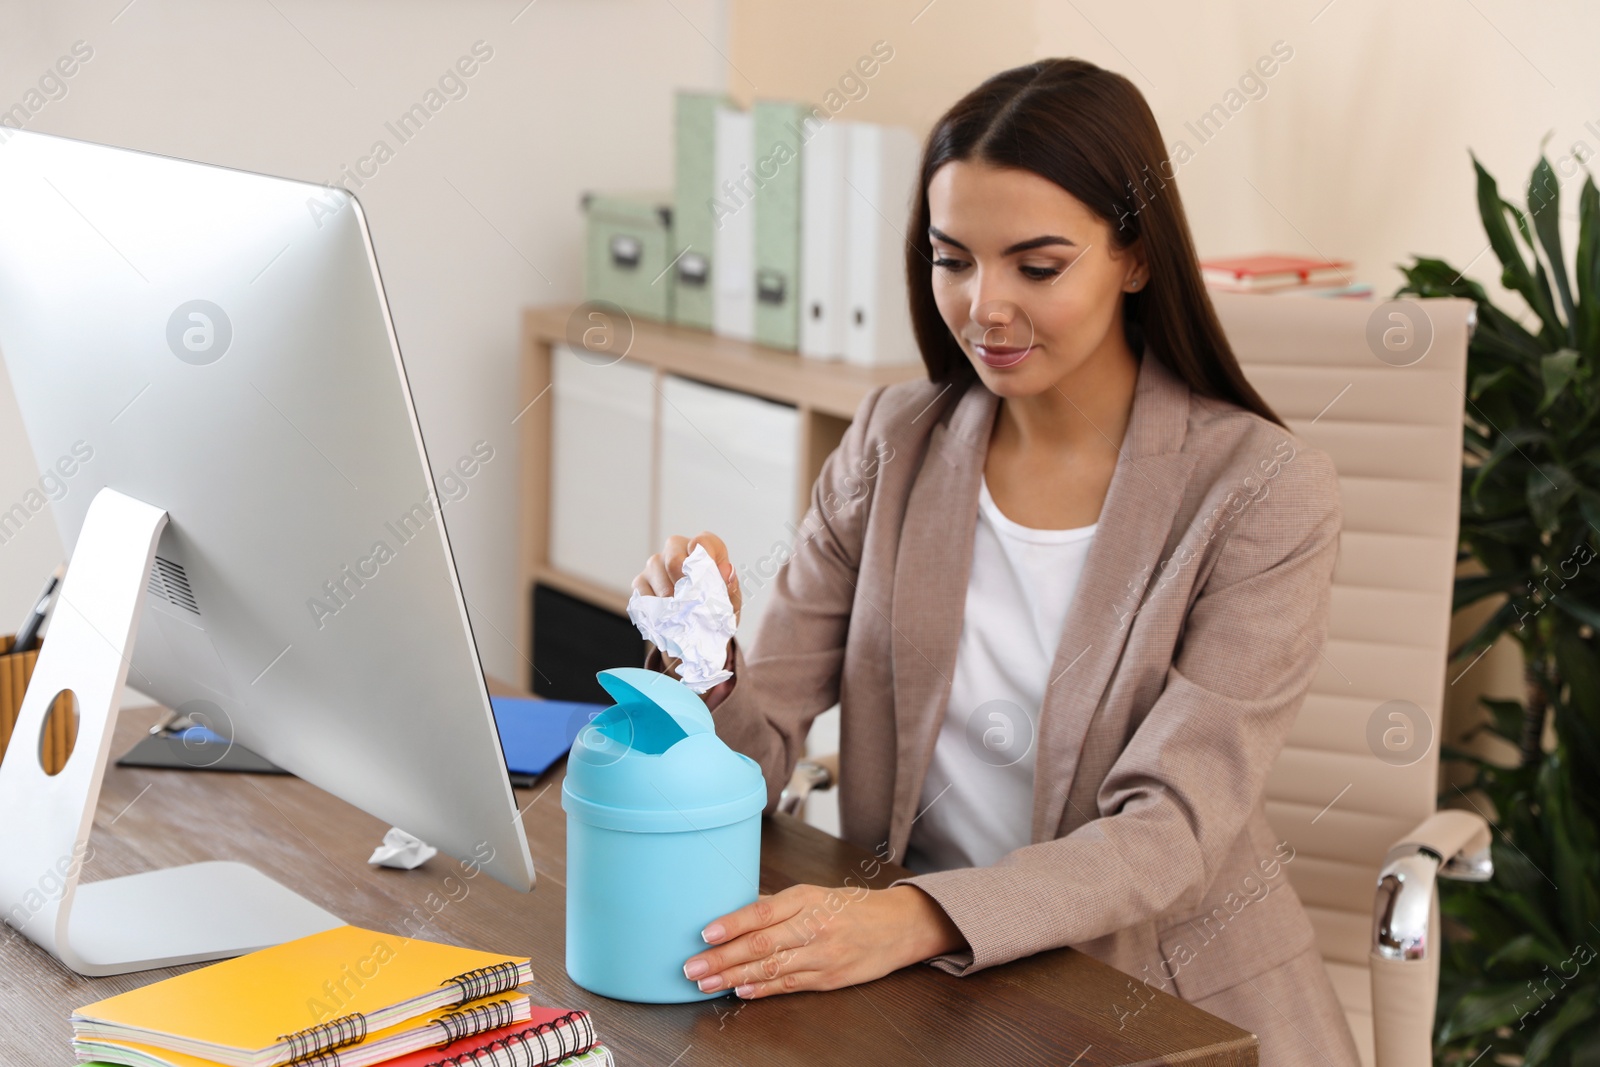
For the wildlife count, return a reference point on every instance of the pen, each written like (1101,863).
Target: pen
(30,626)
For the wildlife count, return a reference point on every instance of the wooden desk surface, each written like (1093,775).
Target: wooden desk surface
(1055,1007)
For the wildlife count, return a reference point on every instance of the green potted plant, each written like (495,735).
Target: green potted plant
(1520,979)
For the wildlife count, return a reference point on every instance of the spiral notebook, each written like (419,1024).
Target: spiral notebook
(551,1036)
(596,1056)
(461,1027)
(342,987)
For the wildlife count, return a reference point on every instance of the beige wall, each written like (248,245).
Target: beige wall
(802,51)
(1356,148)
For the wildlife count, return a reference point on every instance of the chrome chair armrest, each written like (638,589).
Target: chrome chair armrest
(810,775)
(1456,848)
(1404,965)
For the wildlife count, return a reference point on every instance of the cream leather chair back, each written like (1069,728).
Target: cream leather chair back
(1359,772)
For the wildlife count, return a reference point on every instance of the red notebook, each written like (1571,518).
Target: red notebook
(1261,273)
(549,1036)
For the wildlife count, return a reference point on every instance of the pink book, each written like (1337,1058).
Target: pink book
(549,1036)
(1255,273)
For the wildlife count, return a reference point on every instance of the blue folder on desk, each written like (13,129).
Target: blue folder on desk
(536,733)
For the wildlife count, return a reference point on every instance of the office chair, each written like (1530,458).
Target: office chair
(1379,387)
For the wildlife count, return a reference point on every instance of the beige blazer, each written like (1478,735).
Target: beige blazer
(1190,643)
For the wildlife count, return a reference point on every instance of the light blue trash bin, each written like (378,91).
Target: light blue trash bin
(663,836)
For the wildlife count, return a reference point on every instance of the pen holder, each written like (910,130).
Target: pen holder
(61,725)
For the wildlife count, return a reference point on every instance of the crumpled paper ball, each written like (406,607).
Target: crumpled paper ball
(694,624)
(402,851)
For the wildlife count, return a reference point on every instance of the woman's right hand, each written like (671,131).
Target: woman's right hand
(662,571)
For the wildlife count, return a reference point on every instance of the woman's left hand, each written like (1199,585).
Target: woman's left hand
(810,937)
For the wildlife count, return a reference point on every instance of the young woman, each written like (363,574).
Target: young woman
(1070,592)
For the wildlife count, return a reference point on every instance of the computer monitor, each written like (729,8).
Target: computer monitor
(205,364)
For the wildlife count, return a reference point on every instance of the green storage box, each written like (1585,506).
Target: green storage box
(627,251)
(694,170)
(779,151)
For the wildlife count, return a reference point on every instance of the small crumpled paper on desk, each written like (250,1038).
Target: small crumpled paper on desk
(402,851)
(694,623)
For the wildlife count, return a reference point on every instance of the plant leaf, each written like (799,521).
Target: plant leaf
(1579,610)
(1513,870)
(1557,370)
(1510,443)
(1578,1008)
(1578,715)
(1525,948)
(1483,1010)
(1586,1050)
(1544,203)
(1574,848)
(1507,717)
(1587,267)
(1554,329)
(1471,588)
(1493,380)
(1492,212)
(1488,633)
(1550,486)
(1589,506)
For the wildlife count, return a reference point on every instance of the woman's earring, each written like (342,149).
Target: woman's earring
(1136,283)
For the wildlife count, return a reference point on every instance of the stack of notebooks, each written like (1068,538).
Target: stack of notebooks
(1284,276)
(346,997)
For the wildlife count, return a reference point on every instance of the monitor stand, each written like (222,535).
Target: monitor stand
(203,911)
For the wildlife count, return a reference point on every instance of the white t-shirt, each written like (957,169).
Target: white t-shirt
(977,799)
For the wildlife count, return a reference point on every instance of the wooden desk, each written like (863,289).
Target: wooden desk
(1052,1008)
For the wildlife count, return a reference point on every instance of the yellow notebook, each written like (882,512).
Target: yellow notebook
(330,990)
(453,1027)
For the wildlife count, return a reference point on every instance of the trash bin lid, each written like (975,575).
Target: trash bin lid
(653,761)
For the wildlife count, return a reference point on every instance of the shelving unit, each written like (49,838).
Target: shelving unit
(825,394)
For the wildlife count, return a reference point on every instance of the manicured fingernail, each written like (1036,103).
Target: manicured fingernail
(708,984)
(712,933)
(695,968)
(744,990)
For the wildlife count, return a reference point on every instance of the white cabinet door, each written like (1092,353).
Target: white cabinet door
(729,463)
(600,468)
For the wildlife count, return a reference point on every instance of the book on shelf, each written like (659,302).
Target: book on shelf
(1353,291)
(1270,272)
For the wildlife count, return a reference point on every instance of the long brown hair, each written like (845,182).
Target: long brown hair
(1090,131)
